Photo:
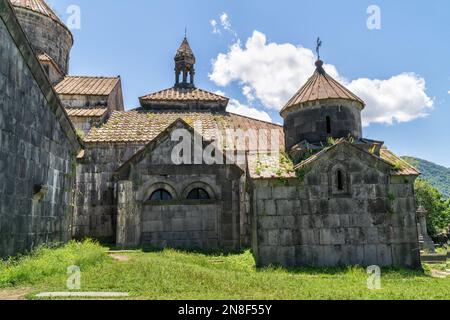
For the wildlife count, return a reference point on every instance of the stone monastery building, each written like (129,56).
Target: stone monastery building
(319,194)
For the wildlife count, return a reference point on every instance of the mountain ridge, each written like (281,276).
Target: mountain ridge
(438,176)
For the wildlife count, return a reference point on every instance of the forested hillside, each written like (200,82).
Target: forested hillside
(438,176)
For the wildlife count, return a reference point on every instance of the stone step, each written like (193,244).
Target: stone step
(434,258)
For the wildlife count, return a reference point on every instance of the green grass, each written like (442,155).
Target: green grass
(172,274)
(48,263)
(441,250)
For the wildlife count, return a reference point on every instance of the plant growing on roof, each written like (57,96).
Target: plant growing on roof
(331,141)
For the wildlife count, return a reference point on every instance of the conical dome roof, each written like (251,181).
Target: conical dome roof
(184,50)
(321,86)
(38,6)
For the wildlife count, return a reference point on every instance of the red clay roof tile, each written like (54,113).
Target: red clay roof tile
(94,86)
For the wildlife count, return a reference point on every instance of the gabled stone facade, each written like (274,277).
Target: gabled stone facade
(90,101)
(309,220)
(182,222)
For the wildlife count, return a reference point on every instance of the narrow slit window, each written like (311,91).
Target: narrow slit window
(340,180)
(328,125)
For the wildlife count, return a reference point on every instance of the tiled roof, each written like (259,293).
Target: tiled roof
(38,6)
(321,86)
(94,86)
(401,167)
(139,126)
(266,166)
(80,112)
(183,94)
(184,49)
(46,58)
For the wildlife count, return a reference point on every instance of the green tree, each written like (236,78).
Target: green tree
(438,209)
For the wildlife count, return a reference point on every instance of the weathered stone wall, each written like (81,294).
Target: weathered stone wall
(310,123)
(114,101)
(47,36)
(182,225)
(53,74)
(201,224)
(179,222)
(36,153)
(84,101)
(129,226)
(245,210)
(85,124)
(307,222)
(95,203)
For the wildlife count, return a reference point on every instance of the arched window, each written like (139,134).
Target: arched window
(198,194)
(328,125)
(340,180)
(161,195)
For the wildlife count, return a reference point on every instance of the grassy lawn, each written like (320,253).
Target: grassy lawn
(172,274)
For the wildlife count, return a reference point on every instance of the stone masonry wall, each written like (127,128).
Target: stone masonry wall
(310,123)
(201,224)
(47,36)
(181,225)
(36,155)
(84,101)
(180,222)
(85,124)
(113,102)
(95,204)
(305,222)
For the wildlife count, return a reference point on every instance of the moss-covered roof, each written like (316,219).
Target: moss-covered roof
(142,126)
(400,166)
(267,165)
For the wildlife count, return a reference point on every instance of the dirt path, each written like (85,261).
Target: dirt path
(119,257)
(14,294)
(440,274)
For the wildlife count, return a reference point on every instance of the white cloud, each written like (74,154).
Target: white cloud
(272,73)
(225,21)
(235,106)
(268,71)
(401,98)
(225,24)
(213,24)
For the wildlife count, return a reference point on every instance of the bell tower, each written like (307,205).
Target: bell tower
(184,66)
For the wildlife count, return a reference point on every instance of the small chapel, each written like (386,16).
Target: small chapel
(319,194)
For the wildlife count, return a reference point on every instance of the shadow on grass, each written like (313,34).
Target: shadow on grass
(182,250)
(342,270)
(311,270)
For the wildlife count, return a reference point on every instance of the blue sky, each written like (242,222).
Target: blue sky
(138,39)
